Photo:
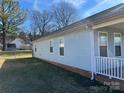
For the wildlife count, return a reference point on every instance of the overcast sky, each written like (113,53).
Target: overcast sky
(86,7)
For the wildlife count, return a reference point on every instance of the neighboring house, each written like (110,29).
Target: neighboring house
(20,44)
(94,45)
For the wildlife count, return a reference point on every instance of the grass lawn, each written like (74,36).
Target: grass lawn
(30,75)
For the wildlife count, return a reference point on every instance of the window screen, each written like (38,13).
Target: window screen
(51,46)
(35,49)
(103,44)
(61,47)
(117,44)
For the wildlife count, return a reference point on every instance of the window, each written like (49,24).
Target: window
(117,44)
(35,48)
(103,44)
(51,46)
(61,47)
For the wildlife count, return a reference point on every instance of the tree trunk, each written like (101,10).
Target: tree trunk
(4,40)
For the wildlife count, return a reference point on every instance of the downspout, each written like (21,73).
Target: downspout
(93,66)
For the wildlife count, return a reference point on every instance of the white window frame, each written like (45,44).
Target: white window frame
(62,38)
(99,43)
(120,45)
(51,45)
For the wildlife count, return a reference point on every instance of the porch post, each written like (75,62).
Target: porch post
(93,66)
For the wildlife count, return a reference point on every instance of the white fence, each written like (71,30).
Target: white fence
(112,67)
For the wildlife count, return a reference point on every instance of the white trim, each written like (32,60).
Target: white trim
(112,22)
(121,44)
(99,43)
(93,65)
(115,70)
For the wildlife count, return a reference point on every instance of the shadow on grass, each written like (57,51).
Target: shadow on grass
(30,75)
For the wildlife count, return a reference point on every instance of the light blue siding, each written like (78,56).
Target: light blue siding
(77,50)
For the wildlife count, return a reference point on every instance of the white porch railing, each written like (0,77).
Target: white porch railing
(112,67)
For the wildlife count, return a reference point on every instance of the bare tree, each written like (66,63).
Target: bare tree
(33,32)
(64,14)
(41,21)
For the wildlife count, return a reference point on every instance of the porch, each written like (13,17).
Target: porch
(110,66)
(109,50)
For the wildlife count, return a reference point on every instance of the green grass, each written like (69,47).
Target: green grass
(24,74)
(31,75)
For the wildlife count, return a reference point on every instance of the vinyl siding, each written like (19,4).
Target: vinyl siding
(77,51)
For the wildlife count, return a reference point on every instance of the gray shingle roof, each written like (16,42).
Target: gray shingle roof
(114,11)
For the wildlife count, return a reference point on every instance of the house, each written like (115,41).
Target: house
(18,42)
(93,47)
(21,44)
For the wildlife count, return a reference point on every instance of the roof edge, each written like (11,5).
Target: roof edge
(85,21)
